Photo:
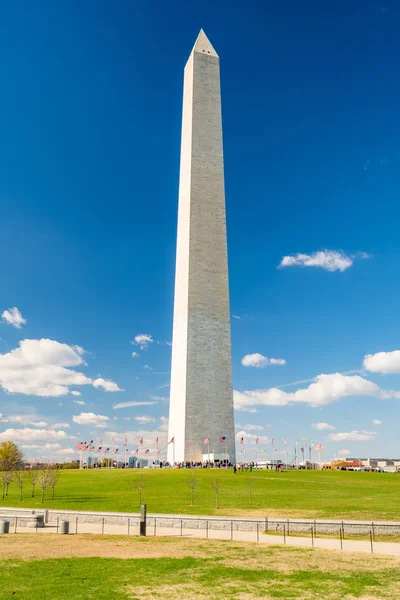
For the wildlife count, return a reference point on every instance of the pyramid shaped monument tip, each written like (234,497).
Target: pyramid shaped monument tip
(203,44)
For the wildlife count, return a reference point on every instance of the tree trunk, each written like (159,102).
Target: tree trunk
(251,498)
(7,484)
(52,496)
(20,493)
(3,487)
(33,491)
(216,500)
(42,496)
(192,497)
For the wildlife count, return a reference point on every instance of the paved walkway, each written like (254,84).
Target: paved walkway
(383,548)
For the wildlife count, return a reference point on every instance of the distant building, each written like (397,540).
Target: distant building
(374,463)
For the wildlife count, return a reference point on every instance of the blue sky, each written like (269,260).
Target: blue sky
(89,160)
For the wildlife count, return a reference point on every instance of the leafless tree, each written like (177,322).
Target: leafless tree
(6,479)
(53,475)
(19,478)
(216,486)
(250,482)
(32,476)
(191,482)
(140,484)
(43,481)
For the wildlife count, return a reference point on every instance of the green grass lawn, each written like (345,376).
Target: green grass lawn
(316,494)
(169,570)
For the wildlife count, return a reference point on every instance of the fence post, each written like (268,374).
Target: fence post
(266,524)
(312,537)
(373,531)
(258,532)
(343,529)
(370,537)
(143,520)
(16,521)
(36,526)
(315,528)
(288,531)
(76,525)
(155,526)
(129,525)
(102,526)
(181,527)
(207,529)
(341,539)
(284,534)
(231,530)
(58,523)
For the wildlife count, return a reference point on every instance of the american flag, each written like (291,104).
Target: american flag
(101,442)
(126,450)
(171,441)
(112,442)
(206,441)
(156,440)
(126,442)
(106,450)
(285,442)
(115,451)
(222,439)
(272,441)
(297,443)
(80,446)
(190,442)
(141,441)
(241,440)
(137,451)
(302,449)
(158,451)
(257,441)
(98,449)
(147,451)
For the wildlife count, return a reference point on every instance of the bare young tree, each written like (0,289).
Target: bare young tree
(43,481)
(19,478)
(32,476)
(6,479)
(250,482)
(216,486)
(191,482)
(140,484)
(53,475)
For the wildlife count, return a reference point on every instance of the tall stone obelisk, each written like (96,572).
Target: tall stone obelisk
(201,398)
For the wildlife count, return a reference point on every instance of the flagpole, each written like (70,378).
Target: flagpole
(208,451)
(226,455)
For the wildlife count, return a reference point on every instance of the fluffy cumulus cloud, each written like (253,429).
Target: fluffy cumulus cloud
(131,404)
(145,420)
(45,368)
(324,390)
(383,362)
(135,355)
(90,418)
(60,426)
(322,426)
(107,385)
(344,452)
(79,402)
(250,427)
(259,361)
(142,340)
(353,436)
(330,260)
(376,422)
(75,393)
(13,317)
(33,435)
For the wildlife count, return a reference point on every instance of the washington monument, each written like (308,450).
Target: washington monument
(201,399)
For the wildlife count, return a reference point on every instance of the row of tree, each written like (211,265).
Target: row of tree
(12,471)
(191,482)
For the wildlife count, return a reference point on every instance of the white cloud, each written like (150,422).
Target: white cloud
(160,398)
(79,402)
(144,420)
(168,344)
(376,422)
(383,362)
(32,435)
(60,426)
(324,390)
(130,404)
(143,340)
(250,427)
(76,393)
(164,423)
(344,452)
(90,418)
(107,385)
(13,317)
(243,408)
(43,368)
(135,355)
(126,418)
(330,260)
(27,419)
(322,426)
(356,436)
(237,317)
(260,361)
